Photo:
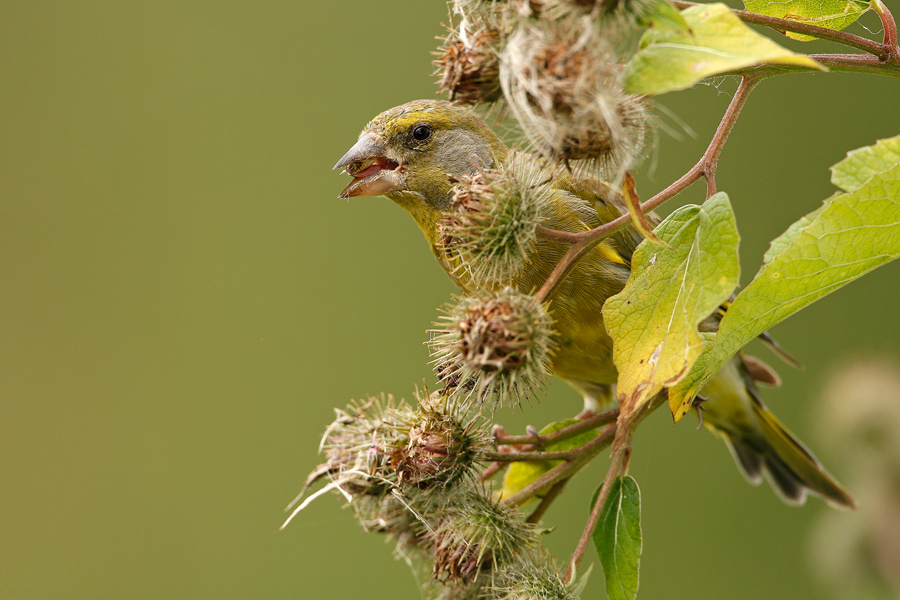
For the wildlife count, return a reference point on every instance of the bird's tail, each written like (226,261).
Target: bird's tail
(761,445)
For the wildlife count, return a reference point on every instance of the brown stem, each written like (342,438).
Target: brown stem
(563,471)
(555,235)
(782,25)
(705,167)
(621,455)
(890,33)
(616,468)
(546,501)
(848,63)
(560,434)
(710,159)
(491,470)
(534,455)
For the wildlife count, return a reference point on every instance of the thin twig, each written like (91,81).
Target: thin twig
(890,33)
(555,235)
(710,158)
(838,63)
(527,442)
(782,25)
(491,470)
(546,501)
(705,167)
(616,468)
(564,471)
(532,455)
(560,434)
(621,455)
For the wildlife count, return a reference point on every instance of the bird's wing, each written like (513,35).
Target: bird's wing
(609,205)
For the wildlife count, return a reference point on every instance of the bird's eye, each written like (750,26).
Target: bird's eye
(421,133)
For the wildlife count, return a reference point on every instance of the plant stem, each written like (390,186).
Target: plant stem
(560,434)
(621,455)
(531,442)
(616,468)
(533,455)
(563,471)
(491,470)
(823,33)
(546,501)
(705,167)
(846,63)
(890,33)
(710,159)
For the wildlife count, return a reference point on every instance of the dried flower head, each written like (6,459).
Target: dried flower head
(556,10)
(477,534)
(468,65)
(496,346)
(394,462)
(358,442)
(443,444)
(564,86)
(488,236)
(530,579)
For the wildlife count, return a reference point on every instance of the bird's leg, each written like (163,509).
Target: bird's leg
(697,404)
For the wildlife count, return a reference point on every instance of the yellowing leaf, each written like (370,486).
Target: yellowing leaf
(653,321)
(861,164)
(718,42)
(618,538)
(681,395)
(832,14)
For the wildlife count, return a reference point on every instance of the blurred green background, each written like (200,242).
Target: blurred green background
(183,301)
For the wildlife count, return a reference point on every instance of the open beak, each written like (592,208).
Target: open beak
(373,173)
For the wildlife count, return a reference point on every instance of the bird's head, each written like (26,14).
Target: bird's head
(409,152)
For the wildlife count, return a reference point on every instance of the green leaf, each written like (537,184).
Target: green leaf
(618,538)
(520,474)
(653,321)
(783,241)
(846,238)
(663,15)
(718,42)
(861,164)
(832,14)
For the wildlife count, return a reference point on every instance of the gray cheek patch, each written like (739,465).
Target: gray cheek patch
(462,152)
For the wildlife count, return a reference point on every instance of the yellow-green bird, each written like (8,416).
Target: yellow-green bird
(413,153)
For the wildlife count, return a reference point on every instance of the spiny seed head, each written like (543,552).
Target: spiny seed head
(443,444)
(556,10)
(496,346)
(381,445)
(477,534)
(392,516)
(564,86)
(468,65)
(530,579)
(488,235)
(358,442)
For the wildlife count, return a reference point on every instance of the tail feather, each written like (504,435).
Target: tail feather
(786,484)
(748,460)
(761,445)
(791,467)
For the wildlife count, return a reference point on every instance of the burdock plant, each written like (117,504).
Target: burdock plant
(490,232)
(553,279)
(494,347)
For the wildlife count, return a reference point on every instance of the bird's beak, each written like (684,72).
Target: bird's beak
(373,173)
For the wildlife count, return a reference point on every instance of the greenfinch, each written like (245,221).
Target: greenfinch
(413,154)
